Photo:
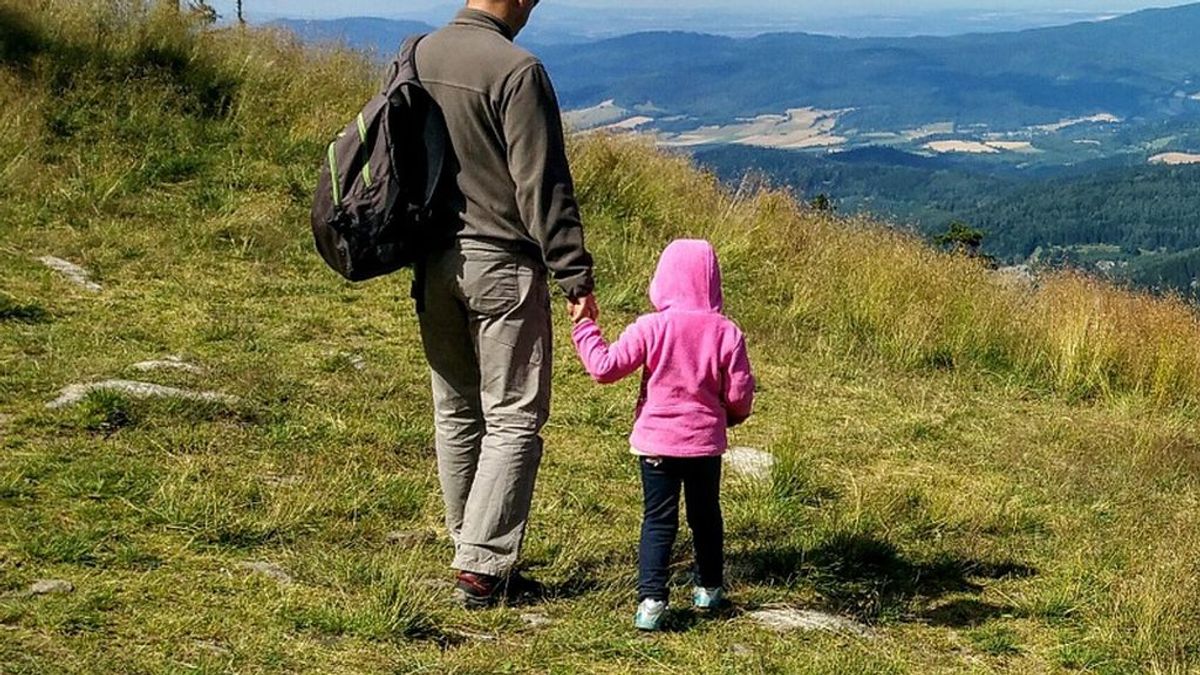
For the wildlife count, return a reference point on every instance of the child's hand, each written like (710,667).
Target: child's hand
(583,308)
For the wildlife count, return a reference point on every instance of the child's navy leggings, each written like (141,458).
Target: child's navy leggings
(700,479)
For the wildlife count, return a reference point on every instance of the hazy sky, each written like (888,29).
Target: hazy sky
(398,8)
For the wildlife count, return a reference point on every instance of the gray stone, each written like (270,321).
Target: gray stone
(536,619)
(269,569)
(51,587)
(407,539)
(355,361)
(277,481)
(785,619)
(751,463)
(472,635)
(741,650)
(212,648)
(72,394)
(168,363)
(1021,276)
(74,273)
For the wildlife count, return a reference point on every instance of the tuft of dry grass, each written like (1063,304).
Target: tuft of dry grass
(858,287)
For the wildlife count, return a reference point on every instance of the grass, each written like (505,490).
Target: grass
(995,477)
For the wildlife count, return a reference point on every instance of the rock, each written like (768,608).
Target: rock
(51,587)
(784,619)
(472,635)
(1017,275)
(536,619)
(339,360)
(72,394)
(270,569)
(169,363)
(741,650)
(74,273)
(750,463)
(407,539)
(275,480)
(212,648)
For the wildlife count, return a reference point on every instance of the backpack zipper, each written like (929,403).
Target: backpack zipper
(337,195)
(362,134)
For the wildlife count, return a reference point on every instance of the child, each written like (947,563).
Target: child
(696,381)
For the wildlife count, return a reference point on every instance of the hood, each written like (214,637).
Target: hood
(688,278)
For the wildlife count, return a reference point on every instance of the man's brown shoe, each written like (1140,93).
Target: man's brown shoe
(479,591)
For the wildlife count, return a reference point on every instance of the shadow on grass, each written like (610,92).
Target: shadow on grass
(21,313)
(570,589)
(20,39)
(966,613)
(868,578)
(685,618)
(531,592)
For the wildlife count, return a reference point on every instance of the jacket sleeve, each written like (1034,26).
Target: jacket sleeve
(537,161)
(739,385)
(607,364)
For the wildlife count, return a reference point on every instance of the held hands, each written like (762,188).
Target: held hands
(583,308)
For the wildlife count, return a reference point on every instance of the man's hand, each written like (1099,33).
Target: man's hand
(583,308)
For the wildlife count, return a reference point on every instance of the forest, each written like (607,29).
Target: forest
(1148,215)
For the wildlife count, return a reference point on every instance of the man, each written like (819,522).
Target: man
(485,319)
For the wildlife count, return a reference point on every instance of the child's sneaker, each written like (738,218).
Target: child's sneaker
(650,614)
(707,598)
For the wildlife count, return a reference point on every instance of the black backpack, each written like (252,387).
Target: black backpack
(372,213)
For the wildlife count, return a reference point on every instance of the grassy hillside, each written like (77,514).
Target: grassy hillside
(990,476)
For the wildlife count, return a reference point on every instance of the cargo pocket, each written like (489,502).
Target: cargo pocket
(491,286)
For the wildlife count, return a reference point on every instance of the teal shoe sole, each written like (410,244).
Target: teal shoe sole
(707,601)
(648,622)
(648,625)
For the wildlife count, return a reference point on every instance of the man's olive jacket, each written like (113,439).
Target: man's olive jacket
(508,179)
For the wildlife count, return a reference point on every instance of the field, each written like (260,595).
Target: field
(980,475)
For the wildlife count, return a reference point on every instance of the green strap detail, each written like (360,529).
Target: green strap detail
(362,134)
(333,172)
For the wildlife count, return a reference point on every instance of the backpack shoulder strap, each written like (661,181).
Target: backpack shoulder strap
(436,144)
(404,88)
(403,70)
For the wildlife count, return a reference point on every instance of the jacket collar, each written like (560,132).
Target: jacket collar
(480,19)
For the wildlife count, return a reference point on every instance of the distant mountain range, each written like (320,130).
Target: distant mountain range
(1043,96)
(1143,65)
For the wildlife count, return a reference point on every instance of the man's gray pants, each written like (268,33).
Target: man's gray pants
(485,325)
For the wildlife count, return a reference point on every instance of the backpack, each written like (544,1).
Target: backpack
(372,212)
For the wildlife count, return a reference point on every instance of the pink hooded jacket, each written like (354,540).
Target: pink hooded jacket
(697,379)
